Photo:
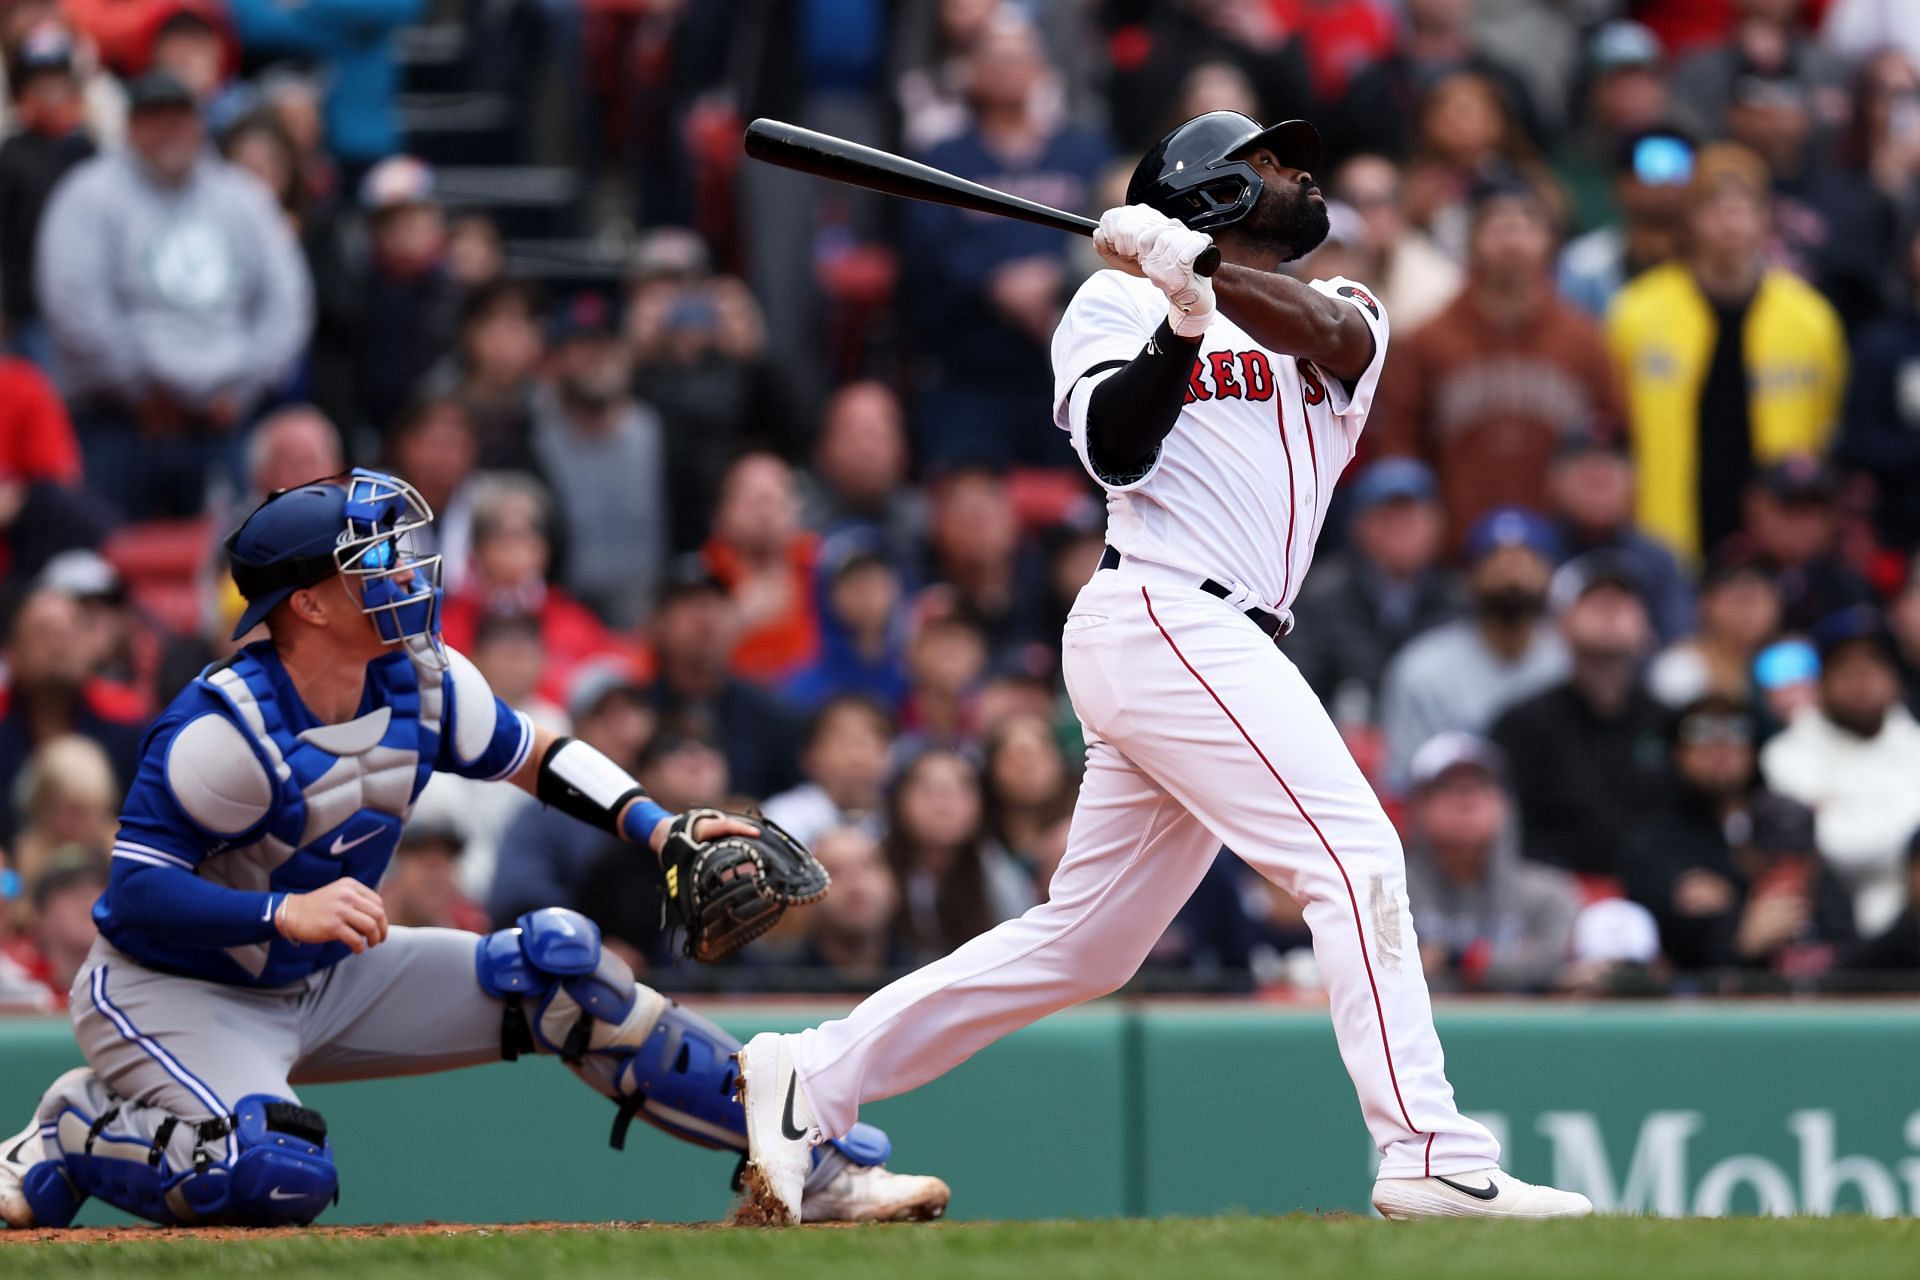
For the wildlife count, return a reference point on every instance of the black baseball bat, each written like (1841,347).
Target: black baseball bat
(826,156)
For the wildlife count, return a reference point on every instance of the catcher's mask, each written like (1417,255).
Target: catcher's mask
(361,526)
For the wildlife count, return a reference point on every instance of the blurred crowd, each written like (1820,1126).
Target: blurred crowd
(761,496)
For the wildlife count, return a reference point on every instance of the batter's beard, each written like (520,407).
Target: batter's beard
(1288,221)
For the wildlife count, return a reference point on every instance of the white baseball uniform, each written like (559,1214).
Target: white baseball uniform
(1199,733)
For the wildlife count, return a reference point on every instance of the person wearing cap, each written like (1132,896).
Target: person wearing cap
(1739,613)
(389,307)
(1488,919)
(48,138)
(243,948)
(1854,759)
(1363,603)
(1590,752)
(1590,498)
(1463,674)
(177,300)
(1755,35)
(1729,364)
(1730,871)
(1792,528)
(1486,390)
(1625,92)
(863,627)
(1651,169)
(606,451)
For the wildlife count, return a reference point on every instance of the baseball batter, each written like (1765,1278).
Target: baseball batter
(1217,415)
(243,949)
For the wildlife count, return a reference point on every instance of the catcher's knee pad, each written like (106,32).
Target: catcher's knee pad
(267,1164)
(556,982)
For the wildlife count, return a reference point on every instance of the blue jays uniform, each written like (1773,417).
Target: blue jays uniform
(198,1018)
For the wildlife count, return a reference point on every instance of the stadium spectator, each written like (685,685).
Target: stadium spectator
(701,361)
(1739,611)
(1463,674)
(1028,784)
(694,623)
(989,290)
(389,307)
(955,882)
(193,41)
(1651,172)
(48,137)
(1880,438)
(544,857)
(859,476)
(1792,528)
(260,144)
(1882,139)
(60,930)
(1364,602)
(1763,37)
(844,760)
(1830,226)
(764,557)
(1487,919)
(103,100)
(946,658)
(1626,94)
(66,794)
(177,301)
(422,887)
(1590,495)
(863,627)
(1899,946)
(494,369)
(352,40)
(1488,389)
(1155,55)
(50,692)
(1853,759)
(603,450)
(1589,753)
(851,941)
(682,767)
(1413,278)
(1708,861)
(1728,364)
(42,508)
(434,446)
(1786,676)
(1467,137)
(987,571)
(512,552)
(1383,101)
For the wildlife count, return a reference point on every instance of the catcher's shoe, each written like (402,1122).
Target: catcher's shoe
(779,1134)
(1490,1193)
(841,1191)
(21,1152)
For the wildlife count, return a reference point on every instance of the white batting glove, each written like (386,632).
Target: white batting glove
(1127,232)
(1168,262)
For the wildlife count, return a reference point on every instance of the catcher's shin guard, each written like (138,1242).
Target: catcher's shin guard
(661,1062)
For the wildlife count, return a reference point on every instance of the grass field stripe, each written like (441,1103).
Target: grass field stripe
(1379,1010)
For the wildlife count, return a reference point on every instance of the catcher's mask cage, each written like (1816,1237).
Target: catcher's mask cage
(399,588)
(1198,174)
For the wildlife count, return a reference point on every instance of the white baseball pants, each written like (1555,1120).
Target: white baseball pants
(1200,733)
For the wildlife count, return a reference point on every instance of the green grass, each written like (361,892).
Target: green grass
(1296,1248)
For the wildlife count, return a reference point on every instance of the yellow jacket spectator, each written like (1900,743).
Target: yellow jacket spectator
(1728,364)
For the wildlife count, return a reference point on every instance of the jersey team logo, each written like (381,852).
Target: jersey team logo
(1360,296)
(1214,377)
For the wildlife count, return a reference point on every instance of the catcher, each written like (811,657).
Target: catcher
(243,949)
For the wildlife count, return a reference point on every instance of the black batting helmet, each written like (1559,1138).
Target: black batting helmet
(1196,173)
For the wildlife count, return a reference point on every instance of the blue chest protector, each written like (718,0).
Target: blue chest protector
(340,795)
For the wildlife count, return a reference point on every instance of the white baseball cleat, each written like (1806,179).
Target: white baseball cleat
(779,1122)
(20,1153)
(841,1191)
(1489,1193)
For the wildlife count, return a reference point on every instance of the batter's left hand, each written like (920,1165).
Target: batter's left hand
(1127,232)
(705,829)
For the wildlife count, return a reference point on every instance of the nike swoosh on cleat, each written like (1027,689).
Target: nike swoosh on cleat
(788,1129)
(1487,1192)
(275,1195)
(13,1156)
(341,844)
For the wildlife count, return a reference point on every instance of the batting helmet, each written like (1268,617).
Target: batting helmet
(1196,173)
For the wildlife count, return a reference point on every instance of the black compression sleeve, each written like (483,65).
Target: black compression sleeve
(1131,412)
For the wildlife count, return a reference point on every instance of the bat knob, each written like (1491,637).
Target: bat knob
(1208,262)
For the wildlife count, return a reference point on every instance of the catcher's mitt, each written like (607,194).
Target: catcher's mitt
(728,891)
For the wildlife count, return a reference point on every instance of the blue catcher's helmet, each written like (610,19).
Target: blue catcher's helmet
(1197,172)
(359,525)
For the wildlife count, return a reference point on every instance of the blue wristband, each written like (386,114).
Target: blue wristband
(641,817)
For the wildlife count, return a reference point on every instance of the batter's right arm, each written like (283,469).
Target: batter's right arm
(1284,314)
